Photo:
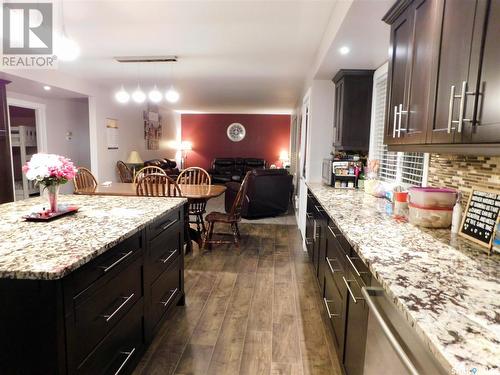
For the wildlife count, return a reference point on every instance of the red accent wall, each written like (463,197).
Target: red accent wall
(266,136)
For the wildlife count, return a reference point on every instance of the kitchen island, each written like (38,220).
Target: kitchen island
(447,288)
(86,293)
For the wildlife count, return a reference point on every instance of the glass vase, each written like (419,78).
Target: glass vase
(53,194)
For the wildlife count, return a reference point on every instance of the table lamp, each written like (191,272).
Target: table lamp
(284,159)
(134,159)
(184,147)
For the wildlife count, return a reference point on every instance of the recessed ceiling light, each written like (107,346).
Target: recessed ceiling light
(47,88)
(344,50)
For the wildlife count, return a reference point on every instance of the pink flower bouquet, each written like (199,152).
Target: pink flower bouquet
(50,171)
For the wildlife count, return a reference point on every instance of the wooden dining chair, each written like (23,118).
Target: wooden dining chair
(197,207)
(157,185)
(150,169)
(233,217)
(84,179)
(124,172)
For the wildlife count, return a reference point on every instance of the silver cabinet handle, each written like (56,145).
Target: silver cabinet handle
(462,106)
(172,253)
(319,208)
(114,264)
(401,112)
(388,333)
(128,356)
(172,294)
(346,282)
(450,108)
(308,215)
(331,231)
(110,316)
(328,260)
(353,266)
(168,225)
(330,315)
(308,241)
(394,124)
(315,227)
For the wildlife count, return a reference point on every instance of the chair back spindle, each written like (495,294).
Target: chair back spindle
(157,185)
(194,176)
(84,179)
(147,171)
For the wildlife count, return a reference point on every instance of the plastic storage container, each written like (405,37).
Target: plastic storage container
(430,217)
(432,197)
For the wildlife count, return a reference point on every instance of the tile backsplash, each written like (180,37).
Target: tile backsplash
(463,171)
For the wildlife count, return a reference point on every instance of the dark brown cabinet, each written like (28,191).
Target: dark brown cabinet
(443,87)
(353,100)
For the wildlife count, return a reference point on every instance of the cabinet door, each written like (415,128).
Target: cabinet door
(457,32)
(417,113)
(339,104)
(355,336)
(487,127)
(401,31)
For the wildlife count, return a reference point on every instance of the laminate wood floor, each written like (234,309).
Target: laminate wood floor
(257,311)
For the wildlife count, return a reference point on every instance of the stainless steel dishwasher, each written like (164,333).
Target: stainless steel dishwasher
(392,346)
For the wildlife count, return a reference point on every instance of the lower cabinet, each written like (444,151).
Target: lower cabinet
(341,275)
(99,318)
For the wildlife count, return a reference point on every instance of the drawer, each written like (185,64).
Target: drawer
(335,307)
(164,292)
(358,269)
(107,265)
(345,245)
(120,350)
(99,308)
(162,252)
(169,221)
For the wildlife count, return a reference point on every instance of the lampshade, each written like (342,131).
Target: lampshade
(134,158)
(283,155)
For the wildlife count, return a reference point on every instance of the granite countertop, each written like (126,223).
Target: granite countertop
(447,288)
(51,250)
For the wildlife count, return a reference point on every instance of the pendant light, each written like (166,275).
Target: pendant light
(138,95)
(172,95)
(122,96)
(155,95)
(66,49)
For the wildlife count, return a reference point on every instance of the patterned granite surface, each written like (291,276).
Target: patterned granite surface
(447,288)
(37,250)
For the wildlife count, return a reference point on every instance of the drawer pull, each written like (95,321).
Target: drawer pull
(328,260)
(172,253)
(172,294)
(114,264)
(309,215)
(330,315)
(319,208)
(128,356)
(331,231)
(353,266)
(354,299)
(168,225)
(110,316)
(308,241)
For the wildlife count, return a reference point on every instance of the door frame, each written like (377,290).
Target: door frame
(40,122)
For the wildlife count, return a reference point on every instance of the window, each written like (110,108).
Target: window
(403,168)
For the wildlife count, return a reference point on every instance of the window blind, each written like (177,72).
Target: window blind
(404,168)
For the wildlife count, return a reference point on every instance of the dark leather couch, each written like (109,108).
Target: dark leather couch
(268,193)
(233,169)
(169,166)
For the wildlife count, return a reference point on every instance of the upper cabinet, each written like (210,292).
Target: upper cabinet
(353,101)
(443,83)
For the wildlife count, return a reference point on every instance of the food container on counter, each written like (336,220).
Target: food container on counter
(430,217)
(401,205)
(432,197)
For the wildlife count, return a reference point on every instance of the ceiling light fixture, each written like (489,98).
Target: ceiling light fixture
(47,88)
(344,50)
(155,95)
(172,95)
(122,96)
(138,95)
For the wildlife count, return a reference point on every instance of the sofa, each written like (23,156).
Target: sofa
(268,193)
(169,166)
(233,169)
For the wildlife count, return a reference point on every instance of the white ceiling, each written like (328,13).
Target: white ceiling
(232,54)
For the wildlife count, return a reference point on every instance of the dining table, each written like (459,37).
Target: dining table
(192,192)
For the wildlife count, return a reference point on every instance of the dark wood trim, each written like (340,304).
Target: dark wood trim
(7,185)
(396,10)
(491,149)
(351,72)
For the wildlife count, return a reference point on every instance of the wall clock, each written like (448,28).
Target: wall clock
(236,132)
